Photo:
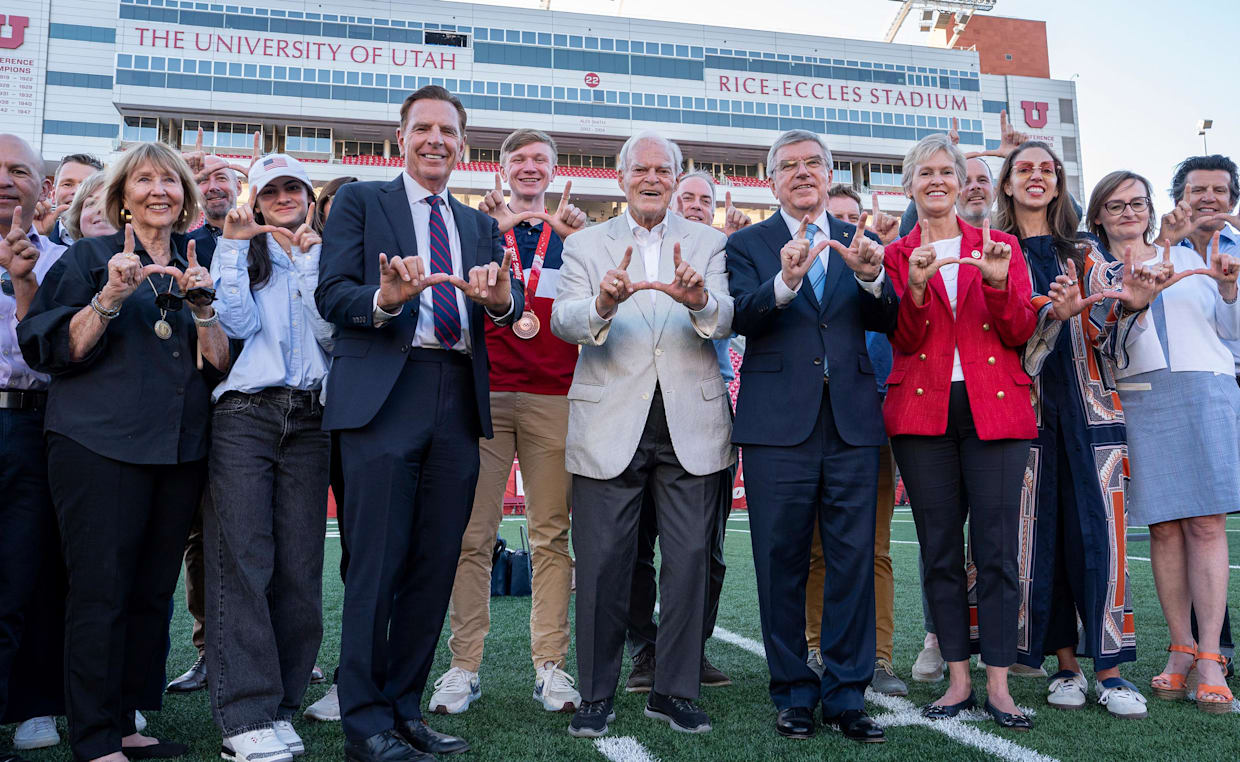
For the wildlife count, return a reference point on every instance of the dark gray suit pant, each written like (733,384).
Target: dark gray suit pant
(606,515)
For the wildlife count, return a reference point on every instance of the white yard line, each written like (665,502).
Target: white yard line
(902,712)
(624,749)
(1143,558)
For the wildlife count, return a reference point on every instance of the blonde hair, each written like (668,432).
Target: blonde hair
(163,157)
(87,188)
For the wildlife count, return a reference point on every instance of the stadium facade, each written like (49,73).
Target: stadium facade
(324,82)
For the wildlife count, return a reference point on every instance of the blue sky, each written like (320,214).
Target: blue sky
(1146,72)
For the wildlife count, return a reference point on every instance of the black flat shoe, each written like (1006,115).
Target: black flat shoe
(162,750)
(1009,721)
(944,711)
(795,722)
(856,725)
(421,737)
(193,679)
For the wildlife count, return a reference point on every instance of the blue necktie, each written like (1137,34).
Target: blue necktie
(817,273)
(817,279)
(443,295)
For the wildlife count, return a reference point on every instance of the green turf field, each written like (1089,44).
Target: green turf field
(507,724)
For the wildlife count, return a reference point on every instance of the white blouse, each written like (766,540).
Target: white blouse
(1197,322)
(950,247)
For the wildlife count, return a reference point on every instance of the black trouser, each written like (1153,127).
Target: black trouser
(606,513)
(642,628)
(264,561)
(123,528)
(938,472)
(409,483)
(32,578)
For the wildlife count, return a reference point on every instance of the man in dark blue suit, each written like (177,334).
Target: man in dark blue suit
(408,274)
(807,286)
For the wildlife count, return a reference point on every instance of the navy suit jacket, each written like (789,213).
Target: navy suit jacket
(781,377)
(369,219)
(204,242)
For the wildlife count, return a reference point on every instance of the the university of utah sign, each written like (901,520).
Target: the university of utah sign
(15,37)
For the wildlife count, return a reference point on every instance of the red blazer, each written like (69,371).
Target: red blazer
(990,329)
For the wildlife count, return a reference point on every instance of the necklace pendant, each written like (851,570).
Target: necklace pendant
(162,329)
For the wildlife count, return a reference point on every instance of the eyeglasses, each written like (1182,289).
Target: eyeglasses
(813,163)
(1117,207)
(1027,168)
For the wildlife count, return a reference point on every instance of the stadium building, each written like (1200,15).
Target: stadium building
(324,82)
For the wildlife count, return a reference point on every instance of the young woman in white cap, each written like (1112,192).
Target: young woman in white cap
(268,468)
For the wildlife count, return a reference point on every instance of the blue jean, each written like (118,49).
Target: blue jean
(263,542)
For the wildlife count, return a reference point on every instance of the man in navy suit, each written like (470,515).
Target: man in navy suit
(807,286)
(409,275)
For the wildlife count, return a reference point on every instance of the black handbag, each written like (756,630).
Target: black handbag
(511,573)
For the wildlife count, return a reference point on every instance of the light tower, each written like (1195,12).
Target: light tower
(949,16)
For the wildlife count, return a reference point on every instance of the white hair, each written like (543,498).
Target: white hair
(795,136)
(926,148)
(673,150)
(702,175)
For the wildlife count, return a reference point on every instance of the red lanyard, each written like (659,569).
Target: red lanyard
(540,253)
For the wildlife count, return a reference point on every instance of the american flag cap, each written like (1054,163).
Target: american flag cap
(273,167)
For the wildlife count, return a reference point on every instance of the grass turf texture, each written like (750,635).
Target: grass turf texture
(507,724)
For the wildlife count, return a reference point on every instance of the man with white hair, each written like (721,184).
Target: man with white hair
(648,411)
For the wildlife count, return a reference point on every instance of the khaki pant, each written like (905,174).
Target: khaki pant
(884,581)
(534,427)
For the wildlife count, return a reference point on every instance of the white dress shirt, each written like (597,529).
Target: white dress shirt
(1198,321)
(950,247)
(425,337)
(649,247)
(14,372)
(785,295)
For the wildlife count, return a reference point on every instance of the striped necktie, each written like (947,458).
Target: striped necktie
(443,295)
(817,273)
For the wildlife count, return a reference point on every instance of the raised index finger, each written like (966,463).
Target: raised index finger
(676,253)
(191,255)
(874,204)
(986,231)
(624,261)
(861,227)
(128,238)
(198,141)
(801,230)
(727,200)
(568,187)
(499,188)
(309,212)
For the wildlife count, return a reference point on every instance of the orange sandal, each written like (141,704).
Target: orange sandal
(1214,699)
(1172,686)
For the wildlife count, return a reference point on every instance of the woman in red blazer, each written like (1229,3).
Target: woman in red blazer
(960,420)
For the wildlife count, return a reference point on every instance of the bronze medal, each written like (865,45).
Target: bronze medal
(526,326)
(162,329)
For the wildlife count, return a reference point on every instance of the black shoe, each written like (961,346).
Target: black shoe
(162,750)
(1009,721)
(944,711)
(712,676)
(387,746)
(856,725)
(795,722)
(194,679)
(641,679)
(681,713)
(591,718)
(421,737)
(317,676)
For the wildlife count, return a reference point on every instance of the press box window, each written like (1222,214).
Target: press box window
(140,129)
(308,140)
(358,148)
(450,39)
(886,175)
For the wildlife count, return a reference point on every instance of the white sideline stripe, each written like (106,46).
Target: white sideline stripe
(624,749)
(902,712)
(1143,558)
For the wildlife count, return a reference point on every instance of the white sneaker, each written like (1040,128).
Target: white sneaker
(929,665)
(814,661)
(455,690)
(1067,691)
(1123,701)
(36,733)
(255,746)
(554,688)
(287,736)
(139,722)
(326,709)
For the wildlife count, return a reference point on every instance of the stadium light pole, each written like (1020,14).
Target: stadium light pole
(1202,126)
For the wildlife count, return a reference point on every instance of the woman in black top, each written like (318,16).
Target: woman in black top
(126,424)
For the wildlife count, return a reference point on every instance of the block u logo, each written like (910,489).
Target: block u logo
(14,40)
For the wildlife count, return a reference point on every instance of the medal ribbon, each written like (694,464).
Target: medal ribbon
(540,253)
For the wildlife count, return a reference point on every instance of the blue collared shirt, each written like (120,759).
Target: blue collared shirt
(1228,243)
(14,372)
(287,342)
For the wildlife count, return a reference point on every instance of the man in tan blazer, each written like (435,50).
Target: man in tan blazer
(644,294)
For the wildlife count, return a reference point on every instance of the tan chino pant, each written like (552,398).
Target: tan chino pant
(534,427)
(884,581)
